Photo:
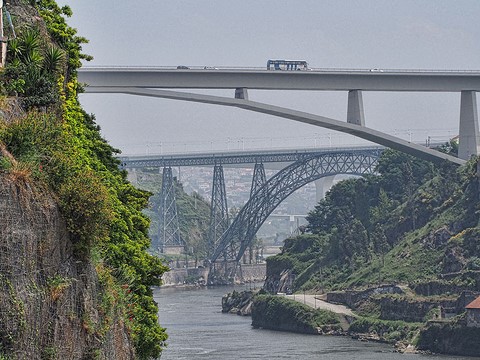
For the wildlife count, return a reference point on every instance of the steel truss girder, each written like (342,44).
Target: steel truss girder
(230,158)
(285,182)
(218,210)
(169,230)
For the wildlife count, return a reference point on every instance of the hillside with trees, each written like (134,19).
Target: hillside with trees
(401,246)
(402,225)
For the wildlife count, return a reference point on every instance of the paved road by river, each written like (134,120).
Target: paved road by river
(317,303)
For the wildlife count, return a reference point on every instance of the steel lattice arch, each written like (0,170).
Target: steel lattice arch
(266,198)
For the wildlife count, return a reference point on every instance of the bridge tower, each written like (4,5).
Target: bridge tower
(258,181)
(219,221)
(169,238)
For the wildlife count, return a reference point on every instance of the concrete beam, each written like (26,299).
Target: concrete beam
(303,117)
(469,138)
(160,78)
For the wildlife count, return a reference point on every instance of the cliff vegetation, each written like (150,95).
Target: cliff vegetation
(96,274)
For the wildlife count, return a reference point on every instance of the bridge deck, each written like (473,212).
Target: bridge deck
(321,79)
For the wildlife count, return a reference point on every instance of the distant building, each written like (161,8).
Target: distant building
(473,313)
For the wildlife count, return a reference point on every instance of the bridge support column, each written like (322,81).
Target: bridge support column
(218,210)
(241,93)
(469,139)
(322,185)
(355,113)
(258,178)
(169,238)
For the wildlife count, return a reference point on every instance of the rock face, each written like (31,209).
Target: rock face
(239,303)
(453,339)
(282,282)
(50,300)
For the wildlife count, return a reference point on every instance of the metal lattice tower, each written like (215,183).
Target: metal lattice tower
(285,182)
(218,210)
(169,231)
(259,178)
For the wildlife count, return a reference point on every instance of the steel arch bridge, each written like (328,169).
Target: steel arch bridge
(253,214)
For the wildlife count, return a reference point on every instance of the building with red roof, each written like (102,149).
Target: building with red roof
(473,313)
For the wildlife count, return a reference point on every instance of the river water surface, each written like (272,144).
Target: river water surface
(197,329)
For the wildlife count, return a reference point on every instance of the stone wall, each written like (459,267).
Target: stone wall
(473,318)
(182,276)
(254,272)
(352,298)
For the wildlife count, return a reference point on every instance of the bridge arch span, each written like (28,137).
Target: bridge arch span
(261,204)
(363,132)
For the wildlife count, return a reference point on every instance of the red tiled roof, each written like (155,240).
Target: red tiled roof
(475,304)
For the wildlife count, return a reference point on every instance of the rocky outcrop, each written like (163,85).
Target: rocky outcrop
(452,339)
(51,300)
(282,282)
(279,313)
(239,303)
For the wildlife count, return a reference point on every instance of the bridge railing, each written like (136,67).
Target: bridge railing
(264,68)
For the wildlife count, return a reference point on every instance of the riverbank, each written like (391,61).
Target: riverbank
(198,330)
(310,314)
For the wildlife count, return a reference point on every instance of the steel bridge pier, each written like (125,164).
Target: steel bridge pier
(169,238)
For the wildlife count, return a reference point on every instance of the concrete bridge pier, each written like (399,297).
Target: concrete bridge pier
(469,139)
(322,185)
(355,113)
(241,93)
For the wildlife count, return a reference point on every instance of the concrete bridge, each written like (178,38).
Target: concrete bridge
(149,81)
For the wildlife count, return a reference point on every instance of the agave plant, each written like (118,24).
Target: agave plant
(15,49)
(29,49)
(54,59)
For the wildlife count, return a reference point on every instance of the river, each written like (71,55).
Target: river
(197,329)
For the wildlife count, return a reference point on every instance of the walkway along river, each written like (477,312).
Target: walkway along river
(197,329)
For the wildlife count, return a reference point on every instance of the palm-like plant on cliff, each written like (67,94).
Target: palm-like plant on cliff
(33,70)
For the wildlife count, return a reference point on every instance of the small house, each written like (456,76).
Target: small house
(473,313)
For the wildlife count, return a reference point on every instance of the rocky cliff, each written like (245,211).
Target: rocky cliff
(50,299)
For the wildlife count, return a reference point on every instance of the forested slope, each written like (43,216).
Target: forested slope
(412,223)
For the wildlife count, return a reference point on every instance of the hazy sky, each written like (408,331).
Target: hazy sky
(396,34)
